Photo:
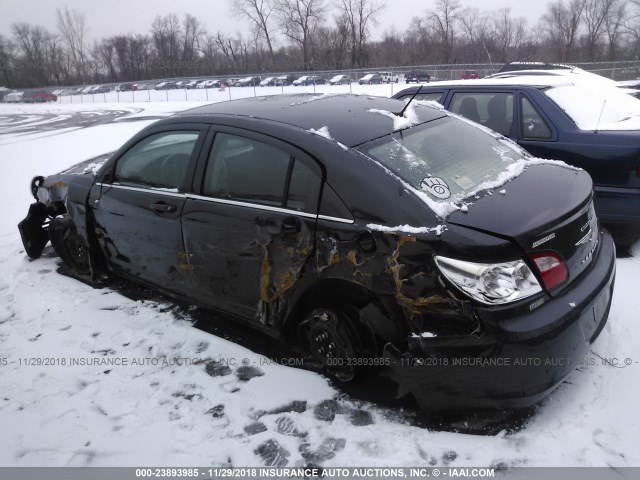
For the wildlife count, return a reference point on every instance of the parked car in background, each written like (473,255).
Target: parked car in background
(38,96)
(340,80)
(584,123)
(309,80)
(301,80)
(285,80)
(370,79)
(126,87)
(370,244)
(102,89)
(470,75)
(167,85)
(389,77)
(144,86)
(249,82)
(416,76)
(213,83)
(13,97)
(267,82)
(191,84)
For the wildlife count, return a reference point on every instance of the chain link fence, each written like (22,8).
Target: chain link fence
(149,90)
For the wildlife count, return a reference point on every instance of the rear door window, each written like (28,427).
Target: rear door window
(491,109)
(247,170)
(304,187)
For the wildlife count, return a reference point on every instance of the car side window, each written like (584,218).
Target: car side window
(427,97)
(532,125)
(248,170)
(304,187)
(332,205)
(157,161)
(493,110)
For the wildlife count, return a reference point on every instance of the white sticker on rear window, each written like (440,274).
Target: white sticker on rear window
(436,187)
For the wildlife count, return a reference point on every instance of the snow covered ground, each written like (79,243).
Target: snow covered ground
(168,398)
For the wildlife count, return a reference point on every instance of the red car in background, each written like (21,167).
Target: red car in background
(470,74)
(39,96)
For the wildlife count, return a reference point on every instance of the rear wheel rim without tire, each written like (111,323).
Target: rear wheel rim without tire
(329,342)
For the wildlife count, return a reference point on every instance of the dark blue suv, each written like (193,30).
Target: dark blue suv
(589,125)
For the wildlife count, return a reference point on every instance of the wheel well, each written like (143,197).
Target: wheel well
(375,321)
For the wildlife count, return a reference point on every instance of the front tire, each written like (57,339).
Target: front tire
(70,246)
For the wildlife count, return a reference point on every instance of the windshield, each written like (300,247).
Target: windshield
(603,108)
(432,158)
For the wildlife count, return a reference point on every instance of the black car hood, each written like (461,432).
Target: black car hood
(542,196)
(88,167)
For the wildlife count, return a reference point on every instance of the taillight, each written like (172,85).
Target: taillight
(551,268)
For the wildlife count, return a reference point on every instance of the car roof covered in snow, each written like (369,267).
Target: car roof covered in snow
(539,81)
(538,78)
(347,116)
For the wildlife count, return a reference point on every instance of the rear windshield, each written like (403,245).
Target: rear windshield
(443,158)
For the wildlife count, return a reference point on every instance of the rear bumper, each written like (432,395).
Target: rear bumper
(521,360)
(614,204)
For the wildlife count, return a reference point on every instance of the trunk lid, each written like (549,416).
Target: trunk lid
(546,209)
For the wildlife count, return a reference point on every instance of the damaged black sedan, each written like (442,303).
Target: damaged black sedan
(369,233)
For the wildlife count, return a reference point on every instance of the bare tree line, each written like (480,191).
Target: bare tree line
(306,35)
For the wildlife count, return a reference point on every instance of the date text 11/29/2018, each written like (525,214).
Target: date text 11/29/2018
(310,472)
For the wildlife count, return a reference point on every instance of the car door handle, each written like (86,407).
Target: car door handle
(291,225)
(162,207)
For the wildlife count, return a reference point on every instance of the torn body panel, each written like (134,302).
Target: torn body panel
(245,262)
(394,275)
(516,361)
(65,192)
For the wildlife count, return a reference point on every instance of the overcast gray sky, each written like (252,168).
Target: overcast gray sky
(111,17)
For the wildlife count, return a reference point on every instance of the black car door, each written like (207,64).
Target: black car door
(249,227)
(138,202)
